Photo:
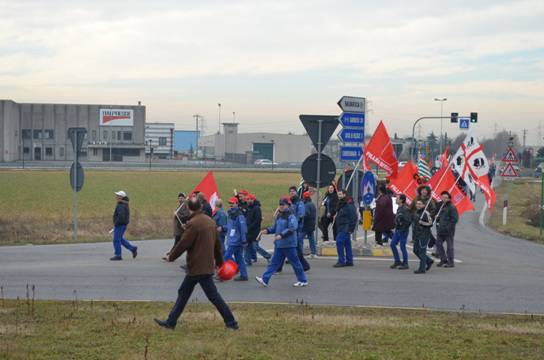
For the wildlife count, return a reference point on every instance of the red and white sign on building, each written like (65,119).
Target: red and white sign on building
(509,159)
(116,117)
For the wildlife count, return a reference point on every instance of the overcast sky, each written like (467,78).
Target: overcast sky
(270,61)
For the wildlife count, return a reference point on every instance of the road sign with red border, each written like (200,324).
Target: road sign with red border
(510,156)
(509,171)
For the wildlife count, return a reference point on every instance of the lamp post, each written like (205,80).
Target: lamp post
(149,142)
(441,120)
(219,119)
(272,141)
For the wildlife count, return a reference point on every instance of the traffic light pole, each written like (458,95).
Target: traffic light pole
(413,152)
(75,199)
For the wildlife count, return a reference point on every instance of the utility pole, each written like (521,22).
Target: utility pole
(197,117)
(524,138)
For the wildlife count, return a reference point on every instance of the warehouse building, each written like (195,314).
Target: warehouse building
(35,132)
(159,140)
(248,147)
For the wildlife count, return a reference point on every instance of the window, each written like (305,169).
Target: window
(48,151)
(61,152)
(105,134)
(127,136)
(37,134)
(119,135)
(27,134)
(26,150)
(48,134)
(95,152)
(162,141)
(94,135)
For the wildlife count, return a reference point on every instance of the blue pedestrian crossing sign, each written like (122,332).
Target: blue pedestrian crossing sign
(464,123)
(368,186)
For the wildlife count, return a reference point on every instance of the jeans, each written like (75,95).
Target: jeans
(119,239)
(207,284)
(251,251)
(238,253)
(343,247)
(311,241)
(420,249)
(445,257)
(277,261)
(400,236)
(300,254)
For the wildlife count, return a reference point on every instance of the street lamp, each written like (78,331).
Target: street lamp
(149,142)
(219,121)
(441,120)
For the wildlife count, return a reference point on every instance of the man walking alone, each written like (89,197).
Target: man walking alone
(121,218)
(201,242)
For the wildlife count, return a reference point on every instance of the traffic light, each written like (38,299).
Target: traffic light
(473,117)
(454,117)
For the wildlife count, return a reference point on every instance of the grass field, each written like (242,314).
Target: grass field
(107,330)
(523,200)
(36,206)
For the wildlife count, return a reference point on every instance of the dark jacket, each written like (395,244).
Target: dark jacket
(384,218)
(422,232)
(201,242)
(254,219)
(346,217)
(403,218)
(207,209)
(181,218)
(121,215)
(447,219)
(330,202)
(285,225)
(310,214)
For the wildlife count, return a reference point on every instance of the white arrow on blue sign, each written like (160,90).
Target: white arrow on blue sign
(464,123)
(350,153)
(349,119)
(348,135)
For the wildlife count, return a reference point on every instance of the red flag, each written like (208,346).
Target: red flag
(380,151)
(406,182)
(442,180)
(489,193)
(460,200)
(208,187)
(444,157)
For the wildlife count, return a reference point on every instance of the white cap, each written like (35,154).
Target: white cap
(121,193)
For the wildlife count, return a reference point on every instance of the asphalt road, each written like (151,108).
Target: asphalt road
(496,273)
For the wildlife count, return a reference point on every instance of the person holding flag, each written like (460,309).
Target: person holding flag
(446,220)
(403,220)
(422,222)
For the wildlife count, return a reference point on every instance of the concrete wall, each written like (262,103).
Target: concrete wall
(9,131)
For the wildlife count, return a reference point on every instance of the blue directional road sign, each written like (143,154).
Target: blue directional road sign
(464,123)
(350,119)
(348,135)
(368,186)
(350,153)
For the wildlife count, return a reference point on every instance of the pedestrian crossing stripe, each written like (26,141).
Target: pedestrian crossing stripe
(509,171)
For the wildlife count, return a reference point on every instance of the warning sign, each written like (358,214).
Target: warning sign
(509,171)
(510,156)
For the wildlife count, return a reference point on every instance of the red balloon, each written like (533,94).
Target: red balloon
(227,270)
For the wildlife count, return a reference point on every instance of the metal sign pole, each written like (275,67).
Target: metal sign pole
(356,200)
(75,207)
(318,175)
(541,201)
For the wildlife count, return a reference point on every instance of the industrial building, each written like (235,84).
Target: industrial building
(35,132)
(248,147)
(159,140)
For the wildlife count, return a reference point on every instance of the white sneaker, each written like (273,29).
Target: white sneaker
(300,284)
(261,281)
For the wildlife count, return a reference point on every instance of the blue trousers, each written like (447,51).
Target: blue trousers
(277,261)
(400,237)
(343,247)
(311,240)
(420,249)
(119,239)
(238,253)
